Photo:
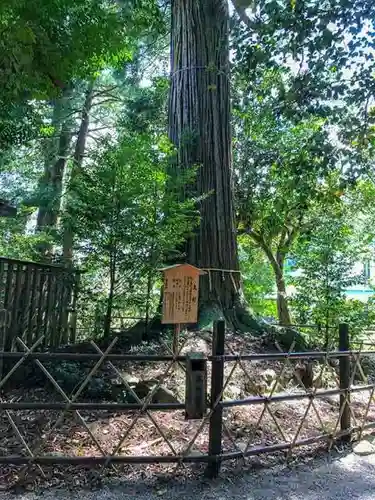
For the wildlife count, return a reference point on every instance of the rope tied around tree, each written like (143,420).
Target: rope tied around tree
(209,67)
(222,271)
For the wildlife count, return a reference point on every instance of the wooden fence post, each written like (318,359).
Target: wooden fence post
(3,332)
(196,386)
(217,381)
(344,345)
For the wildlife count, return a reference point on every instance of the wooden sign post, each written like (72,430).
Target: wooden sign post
(180,297)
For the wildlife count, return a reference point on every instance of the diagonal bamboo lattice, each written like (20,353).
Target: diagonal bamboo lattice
(330,436)
(266,406)
(285,440)
(144,409)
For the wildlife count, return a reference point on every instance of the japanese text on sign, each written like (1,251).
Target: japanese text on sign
(180,300)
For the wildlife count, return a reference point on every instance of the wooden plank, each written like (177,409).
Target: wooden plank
(26,295)
(62,324)
(47,306)
(2,283)
(61,306)
(8,285)
(72,321)
(40,299)
(32,309)
(217,384)
(40,265)
(180,295)
(51,319)
(3,333)
(57,309)
(41,291)
(8,299)
(15,307)
(196,385)
(345,380)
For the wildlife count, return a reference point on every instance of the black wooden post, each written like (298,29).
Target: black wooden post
(196,385)
(344,345)
(217,381)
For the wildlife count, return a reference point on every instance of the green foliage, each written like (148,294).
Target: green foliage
(44,46)
(304,126)
(360,316)
(121,197)
(19,124)
(15,239)
(125,219)
(283,170)
(303,122)
(281,162)
(258,278)
(326,258)
(144,108)
(68,44)
(280,33)
(328,50)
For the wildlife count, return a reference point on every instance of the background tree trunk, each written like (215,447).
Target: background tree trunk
(79,151)
(199,125)
(111,294)
(50,185)
(282,303)
(277,263)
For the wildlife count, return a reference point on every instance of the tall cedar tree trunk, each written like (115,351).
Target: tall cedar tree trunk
(199,125)
(52,181)
(79,151)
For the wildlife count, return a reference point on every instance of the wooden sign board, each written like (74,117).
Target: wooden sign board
(180,297)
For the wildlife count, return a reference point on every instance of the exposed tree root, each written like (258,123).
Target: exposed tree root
(242,320)
(239,319)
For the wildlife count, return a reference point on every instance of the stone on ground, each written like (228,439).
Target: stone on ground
(364,448)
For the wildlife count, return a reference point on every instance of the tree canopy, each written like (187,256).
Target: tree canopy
(244,144)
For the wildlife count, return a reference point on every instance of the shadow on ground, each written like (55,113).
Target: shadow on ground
(330,478)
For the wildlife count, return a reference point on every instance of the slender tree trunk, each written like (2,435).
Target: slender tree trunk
(282,303)
(277,263)
(199,125)
(79,151)
(112,283)
(48,214)
(50,186)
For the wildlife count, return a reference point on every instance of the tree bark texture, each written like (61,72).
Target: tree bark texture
(277,261)
(79,151)
(199,126)
(282,303)
(51,184)
(111,294)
